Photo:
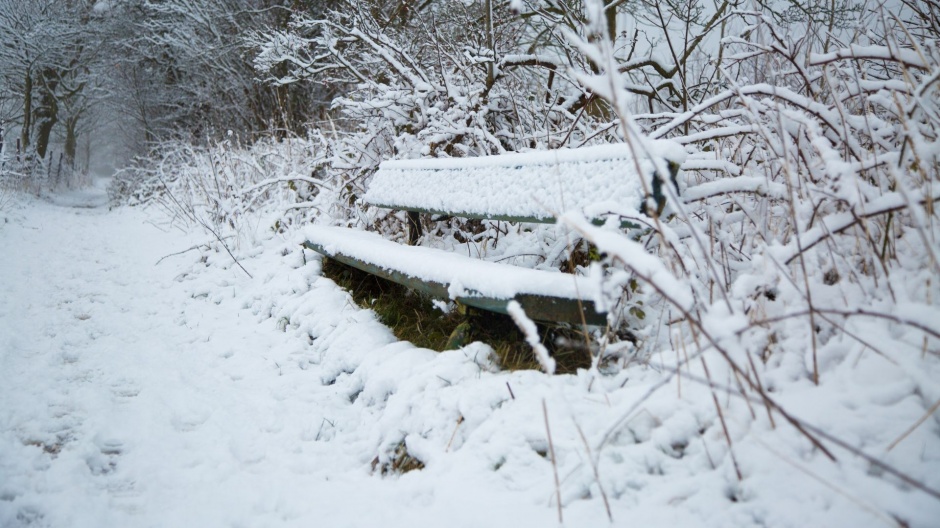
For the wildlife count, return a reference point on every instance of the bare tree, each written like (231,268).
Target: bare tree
(185,71)
(50,51)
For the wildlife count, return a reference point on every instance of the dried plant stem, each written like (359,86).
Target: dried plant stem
(187,250)
(699,329)
(721,418)
(933,408)
(813,432)
(887,468)
(855,500)
(760,387)
(597,475)
(454,434)
(551,452)
(862,312)
(225,246)
(750,407)
(678,378)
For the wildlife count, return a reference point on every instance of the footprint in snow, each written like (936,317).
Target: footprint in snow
(104,459)
(123,390)
(189,419)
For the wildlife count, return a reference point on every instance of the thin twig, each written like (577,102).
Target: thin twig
(551,451)
(197,246)
(454,434)
(721,418)
(933,409)
(224,245)
(597,475)
(855,500)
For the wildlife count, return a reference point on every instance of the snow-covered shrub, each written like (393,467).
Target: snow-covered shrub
(26,173)
(805,237)
(822,185)
(6,192)
(422,85)
(232,190)
(443,79)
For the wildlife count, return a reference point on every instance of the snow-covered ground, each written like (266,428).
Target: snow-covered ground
(185,393)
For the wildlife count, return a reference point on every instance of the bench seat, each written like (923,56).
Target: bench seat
(544,295)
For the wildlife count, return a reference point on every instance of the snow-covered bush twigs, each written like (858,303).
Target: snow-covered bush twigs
(28,174)
(232,191)
(7,183)
(6,195)
(816,247)
(25,174)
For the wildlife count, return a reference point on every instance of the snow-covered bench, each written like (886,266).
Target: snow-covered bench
(522,187)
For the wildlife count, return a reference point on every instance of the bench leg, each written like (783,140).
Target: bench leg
(414,227)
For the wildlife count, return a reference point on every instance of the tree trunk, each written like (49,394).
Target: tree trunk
(611,15)
(596,106)
(47,114)
(47,120)
(71,141)
(27,111)
(490,43)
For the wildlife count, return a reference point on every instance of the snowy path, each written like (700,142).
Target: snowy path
(110,383)
(124,402)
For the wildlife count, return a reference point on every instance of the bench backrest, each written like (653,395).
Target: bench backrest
(521,187)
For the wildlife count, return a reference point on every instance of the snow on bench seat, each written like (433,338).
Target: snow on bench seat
(531,186)
(544,295)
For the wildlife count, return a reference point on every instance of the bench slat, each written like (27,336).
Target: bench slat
(472,215)
(530,187)
(544,295)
